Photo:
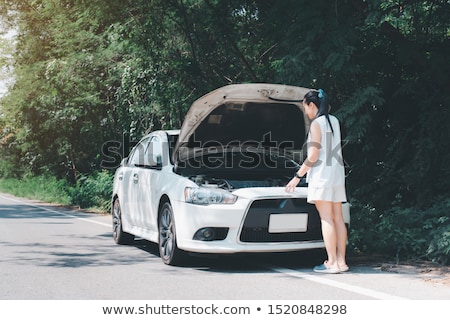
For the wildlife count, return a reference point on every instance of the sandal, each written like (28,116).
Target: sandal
(324,269)
(344,268)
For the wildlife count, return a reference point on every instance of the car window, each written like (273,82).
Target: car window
(137,156)
(153,153)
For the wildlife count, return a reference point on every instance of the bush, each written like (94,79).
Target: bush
(93,191)
(437,227)
(403,233)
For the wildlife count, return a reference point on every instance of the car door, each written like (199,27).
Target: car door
(132,203)
(148,180)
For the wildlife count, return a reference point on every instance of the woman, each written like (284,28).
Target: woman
(326,179)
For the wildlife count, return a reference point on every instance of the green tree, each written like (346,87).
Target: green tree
(386,65)
(59,109)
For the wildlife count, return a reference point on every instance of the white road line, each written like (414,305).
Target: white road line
(57,212)
(337,284)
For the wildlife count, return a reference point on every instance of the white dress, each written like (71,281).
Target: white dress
(326,179)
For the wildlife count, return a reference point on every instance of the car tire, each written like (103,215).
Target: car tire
(168,249)
(120,237)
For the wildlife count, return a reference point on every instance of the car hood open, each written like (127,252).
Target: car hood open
(257,114)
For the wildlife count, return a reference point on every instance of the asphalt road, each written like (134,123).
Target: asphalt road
(55,253)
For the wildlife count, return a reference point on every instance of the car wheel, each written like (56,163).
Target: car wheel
(120,237)
(168,249)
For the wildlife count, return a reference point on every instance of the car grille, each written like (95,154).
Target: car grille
(256,224)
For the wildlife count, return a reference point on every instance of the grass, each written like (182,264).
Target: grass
(47,189)
(91,192)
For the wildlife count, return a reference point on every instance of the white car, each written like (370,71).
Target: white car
(217,185)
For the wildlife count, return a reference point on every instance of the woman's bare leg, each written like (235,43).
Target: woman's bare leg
(341,235)
(329,233)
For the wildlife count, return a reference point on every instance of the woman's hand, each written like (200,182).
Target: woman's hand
(290,187)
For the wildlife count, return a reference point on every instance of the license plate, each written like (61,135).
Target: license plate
(292,222)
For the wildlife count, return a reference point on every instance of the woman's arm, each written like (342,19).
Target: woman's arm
(312,157)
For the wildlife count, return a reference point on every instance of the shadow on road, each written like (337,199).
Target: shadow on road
(240,262)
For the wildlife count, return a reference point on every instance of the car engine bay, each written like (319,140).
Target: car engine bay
(244,170)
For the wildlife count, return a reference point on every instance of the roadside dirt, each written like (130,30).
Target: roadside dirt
(426,270)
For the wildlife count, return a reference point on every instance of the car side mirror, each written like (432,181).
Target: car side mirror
(158,164)
(155,162)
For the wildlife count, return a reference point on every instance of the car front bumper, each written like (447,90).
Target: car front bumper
(247,223)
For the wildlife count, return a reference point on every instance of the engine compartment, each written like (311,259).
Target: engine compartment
(232,184)
(236,170)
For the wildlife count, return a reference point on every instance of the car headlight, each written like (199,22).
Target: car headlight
(206,196)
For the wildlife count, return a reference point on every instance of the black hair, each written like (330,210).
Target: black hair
(319,98)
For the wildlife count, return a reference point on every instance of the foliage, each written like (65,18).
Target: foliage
(90,192)
(404,232)
(93,191)
(59,106)
(88,71)
(44,188)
